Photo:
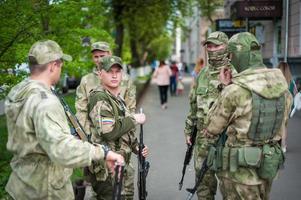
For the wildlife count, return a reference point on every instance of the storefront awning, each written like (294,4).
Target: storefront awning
(256,9)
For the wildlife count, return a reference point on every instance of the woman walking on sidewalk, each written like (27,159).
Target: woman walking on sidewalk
(162,76)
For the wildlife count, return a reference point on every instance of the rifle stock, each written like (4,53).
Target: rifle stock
(188,156)
(203,171)
(78,129)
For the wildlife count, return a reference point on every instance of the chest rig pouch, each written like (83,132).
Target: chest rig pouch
(267,116)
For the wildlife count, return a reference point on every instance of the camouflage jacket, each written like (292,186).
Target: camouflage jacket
(202,97)
(90,82)
(233,112)
(44,151)
(112,123)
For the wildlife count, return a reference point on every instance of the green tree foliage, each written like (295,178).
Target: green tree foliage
(141,24)
(68,22)
(208,7)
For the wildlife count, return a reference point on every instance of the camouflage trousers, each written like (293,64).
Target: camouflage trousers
(207,188)
(104,189)
(236,191)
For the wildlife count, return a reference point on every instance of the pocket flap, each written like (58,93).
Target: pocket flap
(252,155)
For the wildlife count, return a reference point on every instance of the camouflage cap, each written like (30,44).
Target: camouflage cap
(43,52)
(108,61)
(217,38)
(101,46)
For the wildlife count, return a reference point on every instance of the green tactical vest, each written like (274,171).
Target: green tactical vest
(267,116)
(103,96)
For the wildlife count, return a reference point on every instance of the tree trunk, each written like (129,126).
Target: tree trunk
(134,51)
(118,15)
(119,39)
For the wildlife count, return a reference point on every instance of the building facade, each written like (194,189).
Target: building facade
(277,43)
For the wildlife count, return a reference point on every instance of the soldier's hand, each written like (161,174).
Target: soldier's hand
(188,140)
(225,75)
(207,134)
(145,151)
(140,118)
(112,159)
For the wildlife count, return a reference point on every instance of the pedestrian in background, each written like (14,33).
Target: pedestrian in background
(173,78)
(44,151)
(162,76)
(195,72)
(285,69)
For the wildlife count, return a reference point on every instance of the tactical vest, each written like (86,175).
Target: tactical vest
(117,111)
(267,157)
(267,117)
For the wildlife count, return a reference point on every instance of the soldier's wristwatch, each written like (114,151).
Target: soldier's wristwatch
(106,150)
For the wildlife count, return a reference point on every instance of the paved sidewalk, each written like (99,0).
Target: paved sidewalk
(2,107)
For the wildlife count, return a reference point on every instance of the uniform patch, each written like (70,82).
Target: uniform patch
(107,121)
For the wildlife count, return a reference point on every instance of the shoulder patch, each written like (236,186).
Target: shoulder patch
(43,95)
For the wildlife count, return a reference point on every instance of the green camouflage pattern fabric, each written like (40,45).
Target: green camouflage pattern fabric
(115,128)
(43,52)
(232,190)
(90,82)
(217,38)
(44,151)
(101,46)
(104,189)
(233,109)
(202,97)
(245,51)
(108,61)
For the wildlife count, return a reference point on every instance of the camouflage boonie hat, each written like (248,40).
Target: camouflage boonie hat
(43,52)
(108,61)
(217,38)
(101,46)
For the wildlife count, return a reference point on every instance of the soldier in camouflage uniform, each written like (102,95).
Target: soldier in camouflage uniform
(44,151)
(253,110)
(91,81)
(202,96)
(114,125)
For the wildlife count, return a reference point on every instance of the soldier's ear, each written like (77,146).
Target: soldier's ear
(99,73)
(52,66)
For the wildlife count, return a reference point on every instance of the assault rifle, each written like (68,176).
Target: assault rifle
(76,129)
(119,172)
(143,167)
(219,144)
(188,155)
(201,175)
